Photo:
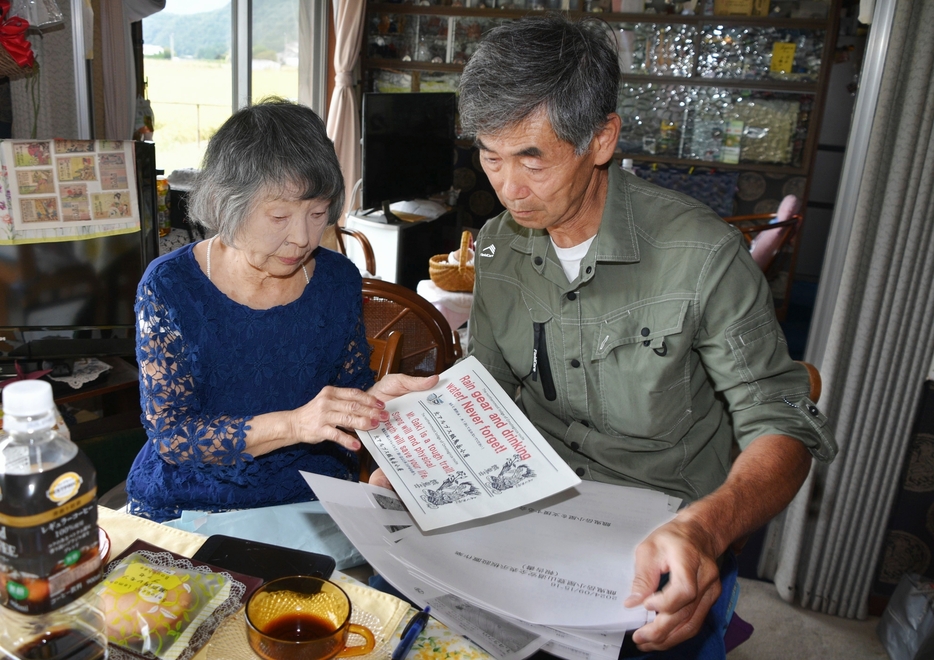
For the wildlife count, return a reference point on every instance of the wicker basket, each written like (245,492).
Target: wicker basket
(10,69)
(453,277)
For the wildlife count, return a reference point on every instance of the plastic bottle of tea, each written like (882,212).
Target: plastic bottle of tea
(49,555)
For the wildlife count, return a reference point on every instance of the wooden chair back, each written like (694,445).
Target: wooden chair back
(428,345)
(814,379)
(384,354)
(369,258)
(384,359)
(766,235)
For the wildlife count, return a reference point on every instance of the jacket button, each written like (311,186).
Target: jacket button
(538,261)
(645,332)
(572,295)
(580,472)
(811,408)
(575,446)
(575,363)
(589,269)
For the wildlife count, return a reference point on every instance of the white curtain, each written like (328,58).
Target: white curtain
(880,339)
(118,65)
(343,116)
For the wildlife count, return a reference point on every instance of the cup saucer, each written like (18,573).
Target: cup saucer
(229,641)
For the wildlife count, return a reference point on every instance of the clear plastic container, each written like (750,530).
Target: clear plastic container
(74,632)
(49,543)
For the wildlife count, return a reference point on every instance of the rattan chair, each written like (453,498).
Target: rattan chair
(369,258)
(428,344)
(384,354)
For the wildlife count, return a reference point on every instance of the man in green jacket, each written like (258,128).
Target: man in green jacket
(630,321)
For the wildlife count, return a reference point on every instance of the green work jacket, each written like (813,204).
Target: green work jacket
(661,352)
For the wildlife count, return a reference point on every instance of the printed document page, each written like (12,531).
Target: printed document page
(464,450)
(501,638)
(566,562)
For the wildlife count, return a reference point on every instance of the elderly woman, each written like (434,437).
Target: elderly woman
(253,359)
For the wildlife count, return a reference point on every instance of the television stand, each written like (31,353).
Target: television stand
(402,249)
(389,215)
(60,348)
(118,390)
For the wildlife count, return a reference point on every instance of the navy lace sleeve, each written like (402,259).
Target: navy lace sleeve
(168,397)
(208,365)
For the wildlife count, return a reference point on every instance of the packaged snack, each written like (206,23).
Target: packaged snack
(162,606)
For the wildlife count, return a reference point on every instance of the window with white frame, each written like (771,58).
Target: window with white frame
(204,60)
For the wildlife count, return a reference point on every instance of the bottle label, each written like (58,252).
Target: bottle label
(48,537)
(64,487)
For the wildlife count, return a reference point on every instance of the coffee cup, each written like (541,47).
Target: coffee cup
(303,618)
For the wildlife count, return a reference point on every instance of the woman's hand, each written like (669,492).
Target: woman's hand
(393,385)
(334,409)
(338,408)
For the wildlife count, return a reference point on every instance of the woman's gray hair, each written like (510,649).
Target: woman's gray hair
(571,70)
(272,148)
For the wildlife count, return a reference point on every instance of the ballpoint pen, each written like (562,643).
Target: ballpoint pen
(410,633)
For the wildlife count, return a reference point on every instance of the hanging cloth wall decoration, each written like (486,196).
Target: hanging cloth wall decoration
(16,57)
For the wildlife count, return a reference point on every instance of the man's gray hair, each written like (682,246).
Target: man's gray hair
(269,149)
(568,69)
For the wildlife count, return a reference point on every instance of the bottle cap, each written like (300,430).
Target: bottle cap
(627,164)
(28,398)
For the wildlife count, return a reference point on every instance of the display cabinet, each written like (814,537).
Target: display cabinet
(705,83)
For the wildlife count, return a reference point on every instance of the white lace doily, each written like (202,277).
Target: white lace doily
(84,371)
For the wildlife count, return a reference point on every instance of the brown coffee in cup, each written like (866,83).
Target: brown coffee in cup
(303,618)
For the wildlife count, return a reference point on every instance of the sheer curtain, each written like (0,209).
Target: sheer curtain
(343,114)
(873,331)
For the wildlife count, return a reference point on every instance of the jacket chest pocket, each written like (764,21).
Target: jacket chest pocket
(642,360)
(531,361)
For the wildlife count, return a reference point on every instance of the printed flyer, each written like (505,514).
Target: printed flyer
(463,450)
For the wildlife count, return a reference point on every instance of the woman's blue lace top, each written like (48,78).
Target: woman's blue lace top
(209,364)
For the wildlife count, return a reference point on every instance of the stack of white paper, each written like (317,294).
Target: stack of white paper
(552,575)
(491,528)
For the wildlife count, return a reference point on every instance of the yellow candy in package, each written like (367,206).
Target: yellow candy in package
(162,606)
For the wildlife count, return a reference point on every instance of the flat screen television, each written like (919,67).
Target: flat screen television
(74,298)
(408,146)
